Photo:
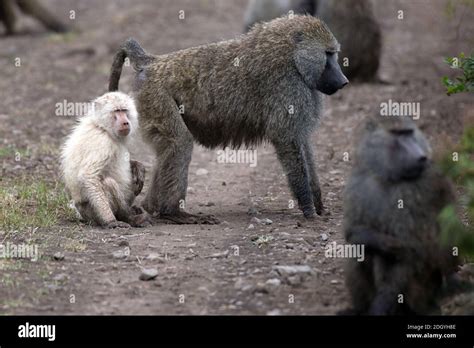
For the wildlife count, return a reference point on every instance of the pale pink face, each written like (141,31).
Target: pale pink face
(121,122)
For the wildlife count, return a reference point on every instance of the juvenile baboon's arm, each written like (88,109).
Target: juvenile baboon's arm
(92,188)
(7,15)
(377,242)
(36,10)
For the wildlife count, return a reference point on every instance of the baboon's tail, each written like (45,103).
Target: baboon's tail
(132,50)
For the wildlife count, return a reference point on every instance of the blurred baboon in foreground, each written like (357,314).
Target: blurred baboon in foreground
(263,86)
(97,171)
(351,21)
(32,8)
(392,200)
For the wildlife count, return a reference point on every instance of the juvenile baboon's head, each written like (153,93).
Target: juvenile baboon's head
(393,148)
(116,113)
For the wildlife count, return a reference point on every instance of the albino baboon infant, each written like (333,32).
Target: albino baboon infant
(98,174)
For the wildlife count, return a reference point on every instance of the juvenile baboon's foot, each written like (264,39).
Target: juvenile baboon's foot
(183,218)
(149,207)
(117,224)
(136,210)
(141,220)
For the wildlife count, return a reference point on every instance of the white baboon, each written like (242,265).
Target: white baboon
(97,171)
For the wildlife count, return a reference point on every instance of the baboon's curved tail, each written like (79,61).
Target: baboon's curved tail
(138,58)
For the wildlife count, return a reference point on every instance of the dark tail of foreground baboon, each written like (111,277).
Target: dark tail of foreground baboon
(132,50)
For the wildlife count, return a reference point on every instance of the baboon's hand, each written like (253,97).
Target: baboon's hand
(117,224)
(138,176)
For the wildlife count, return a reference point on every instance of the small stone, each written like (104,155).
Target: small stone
(121,254)
(202,171)
(266,221)
(334,281)
(251,227)
(59,256)
(324,237)
(148,274)
(274,282)
(261,288)
(291,270)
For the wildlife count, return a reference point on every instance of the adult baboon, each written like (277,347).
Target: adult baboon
(97,171)
(32,8)
(263,86)
(352,22)
(392,200)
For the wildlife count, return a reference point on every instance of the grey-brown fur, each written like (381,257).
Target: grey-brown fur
(353,22)
(403,255)
(280,65)
(32,8)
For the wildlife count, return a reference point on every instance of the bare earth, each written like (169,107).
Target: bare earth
(201,269)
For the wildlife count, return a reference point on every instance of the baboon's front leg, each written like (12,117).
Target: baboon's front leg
(313,178)
(293,159)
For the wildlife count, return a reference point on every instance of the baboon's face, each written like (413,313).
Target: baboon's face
(409,152)
(397,153)
(316,59)
(332,79)
(121,123)
(116,113)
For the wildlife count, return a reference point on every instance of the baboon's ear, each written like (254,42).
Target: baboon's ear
(307,64)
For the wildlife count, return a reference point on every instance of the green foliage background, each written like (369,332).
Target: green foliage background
(460,165)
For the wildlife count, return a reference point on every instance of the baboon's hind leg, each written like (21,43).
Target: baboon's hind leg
(173,145)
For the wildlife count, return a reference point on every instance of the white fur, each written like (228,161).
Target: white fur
(92,152)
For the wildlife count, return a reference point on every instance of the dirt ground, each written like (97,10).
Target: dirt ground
(220,269)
